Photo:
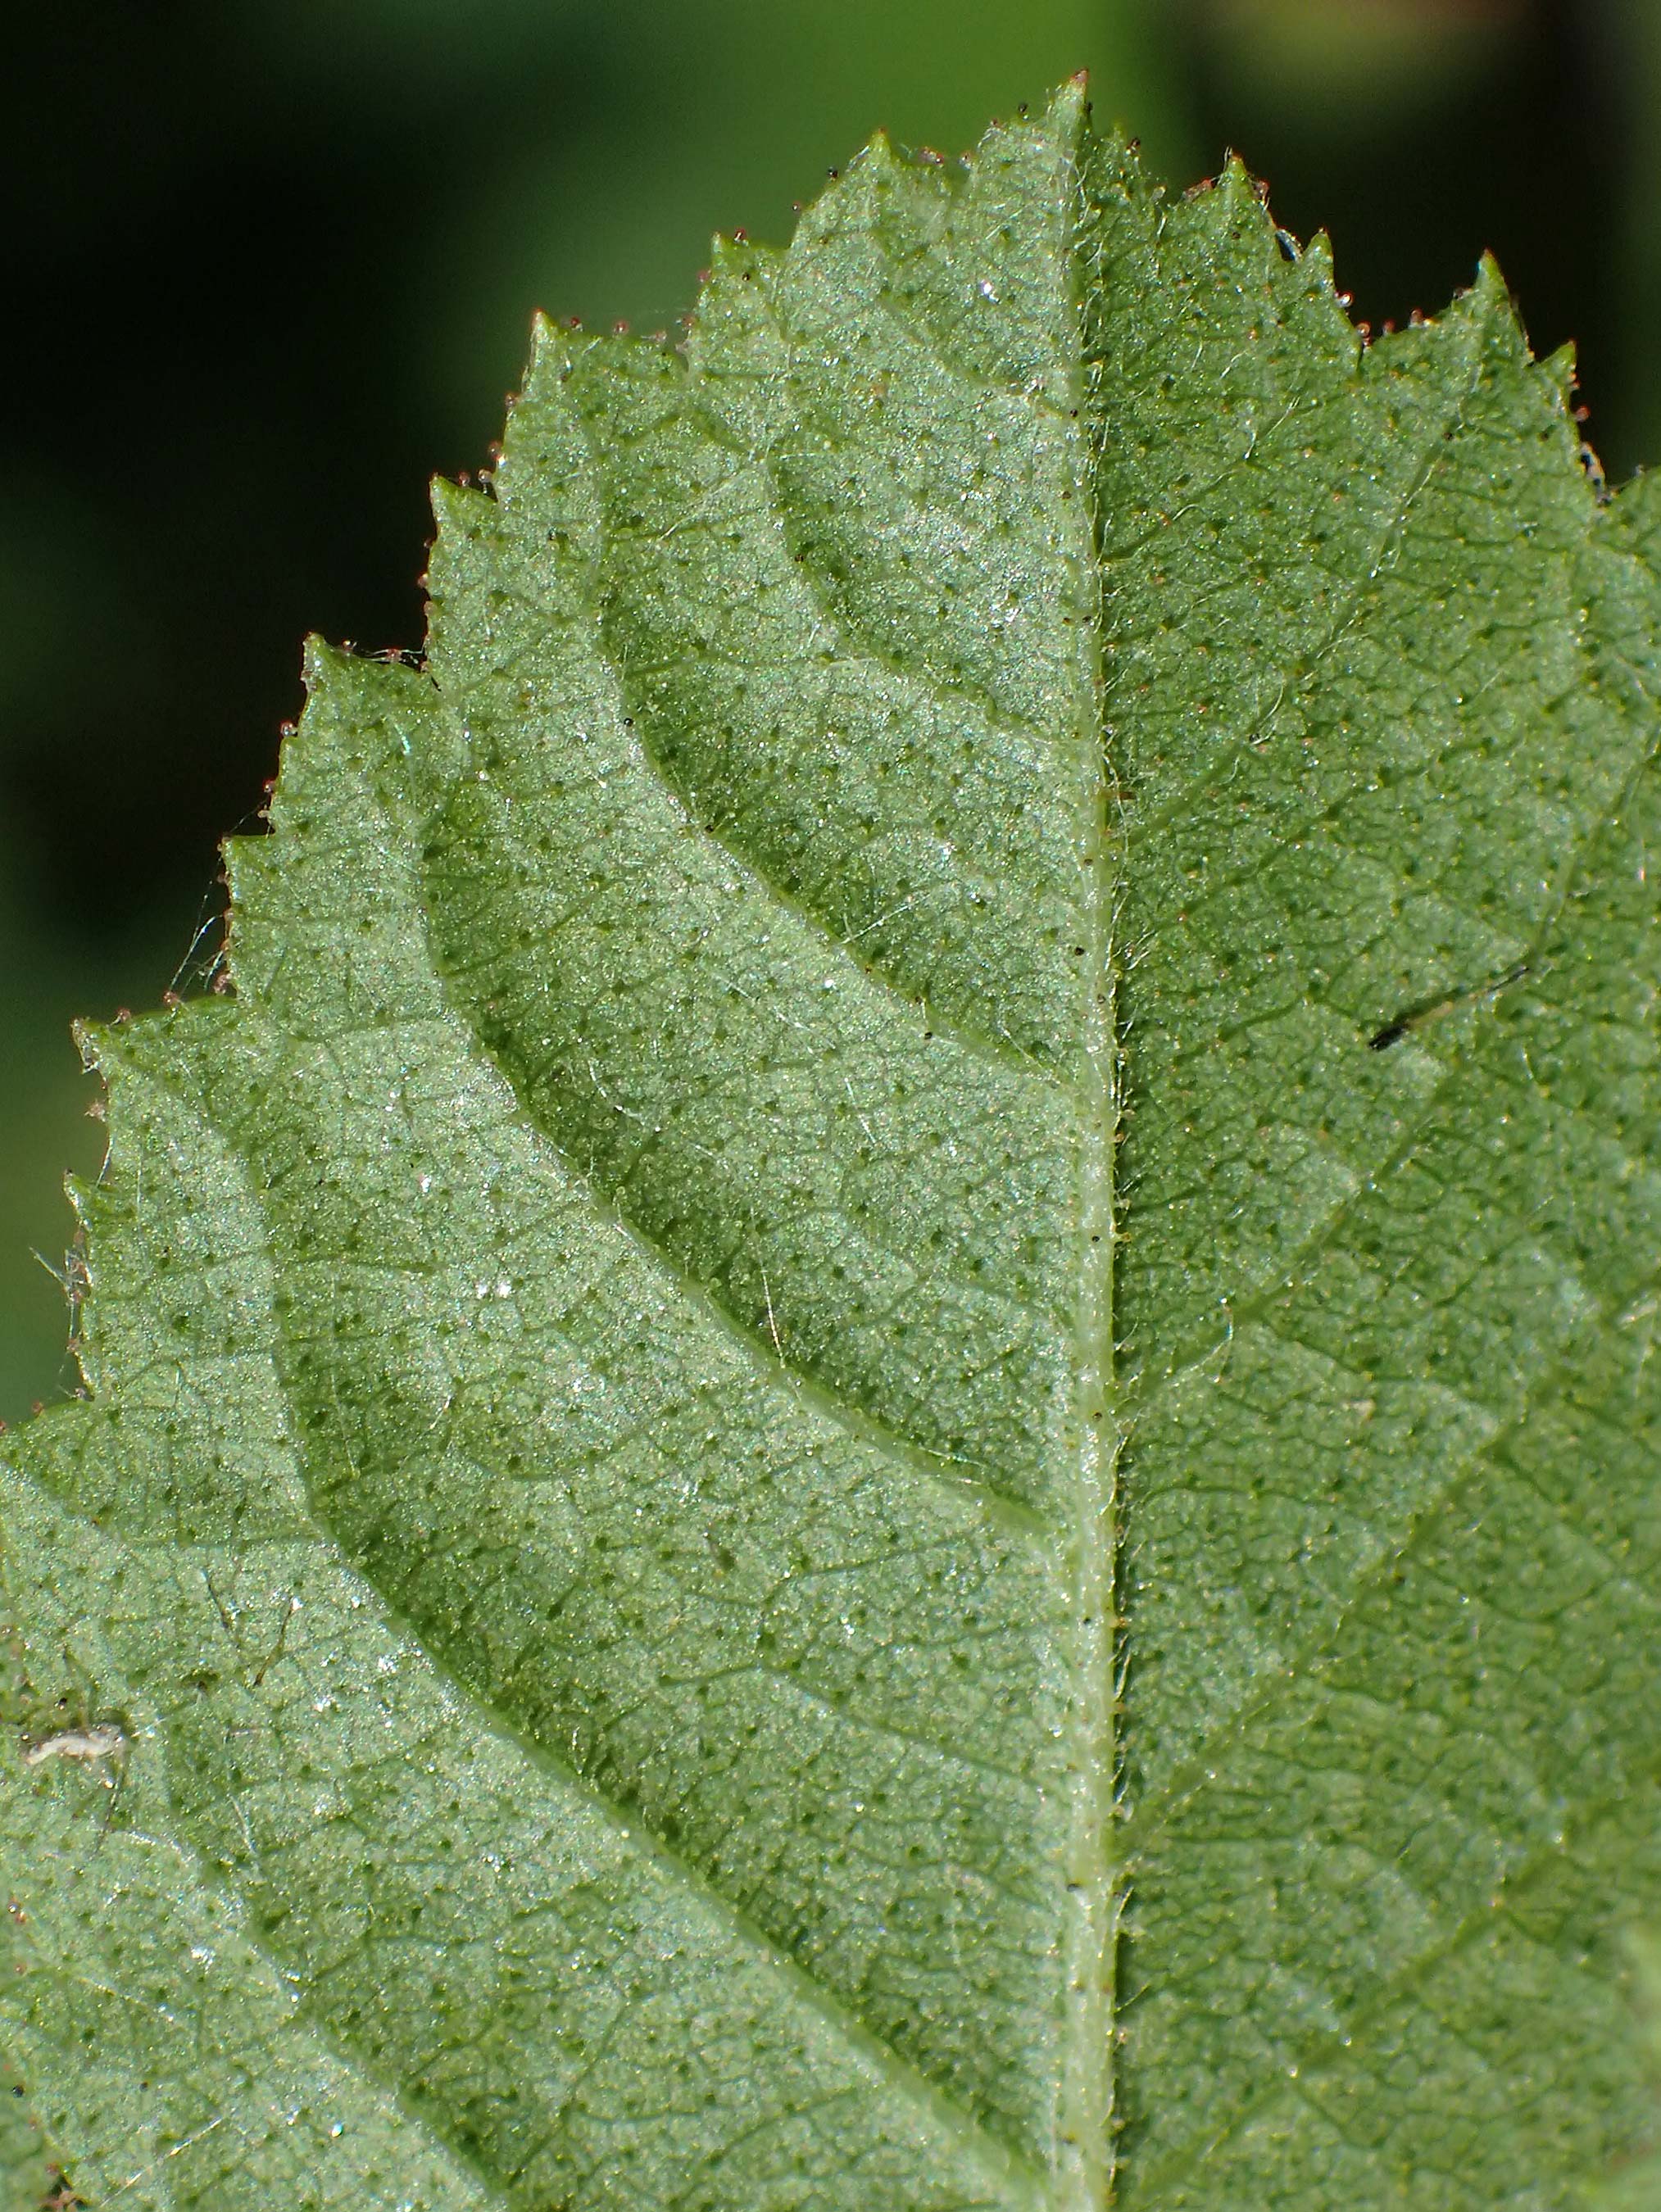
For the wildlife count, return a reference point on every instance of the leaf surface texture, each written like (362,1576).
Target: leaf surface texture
(877,1426)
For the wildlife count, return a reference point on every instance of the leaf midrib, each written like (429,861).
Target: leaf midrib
(1088,2081)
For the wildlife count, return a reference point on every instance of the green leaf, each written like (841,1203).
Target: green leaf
(876,1426)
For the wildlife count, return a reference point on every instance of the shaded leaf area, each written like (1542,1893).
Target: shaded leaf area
(27,2175)
(1383,694)
(593,1524)
(1633,2184)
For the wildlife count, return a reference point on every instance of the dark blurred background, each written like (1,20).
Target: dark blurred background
(270,267)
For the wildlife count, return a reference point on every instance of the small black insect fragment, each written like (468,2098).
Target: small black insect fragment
(1430,1010)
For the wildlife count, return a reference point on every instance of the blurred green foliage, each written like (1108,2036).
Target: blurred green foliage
(276,265)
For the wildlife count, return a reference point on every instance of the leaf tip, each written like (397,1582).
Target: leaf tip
(1068,106)
(1491,297)
(315,656)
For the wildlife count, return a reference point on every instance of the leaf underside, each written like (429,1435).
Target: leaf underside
(801,1488)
